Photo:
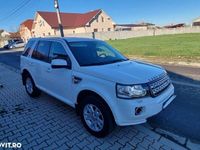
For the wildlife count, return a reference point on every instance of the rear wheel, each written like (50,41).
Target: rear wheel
(96,116)
(30,87)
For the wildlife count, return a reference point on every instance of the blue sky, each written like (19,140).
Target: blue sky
(160,12)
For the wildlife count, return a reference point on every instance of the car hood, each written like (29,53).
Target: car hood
(127,72)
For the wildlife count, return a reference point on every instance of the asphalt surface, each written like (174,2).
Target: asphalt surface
(11,58)
(181,117)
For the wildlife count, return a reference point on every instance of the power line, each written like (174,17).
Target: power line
(11,10)
(17,9)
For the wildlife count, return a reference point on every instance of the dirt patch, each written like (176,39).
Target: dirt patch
(181,61)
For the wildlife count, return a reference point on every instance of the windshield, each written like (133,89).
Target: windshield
(89,53)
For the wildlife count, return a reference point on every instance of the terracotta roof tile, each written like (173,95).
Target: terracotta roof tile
(69,20)
(28,23)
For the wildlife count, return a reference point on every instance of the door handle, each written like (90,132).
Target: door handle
(31,63)
(48,69)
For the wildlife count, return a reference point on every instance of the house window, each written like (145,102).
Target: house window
(43,34)
(97,19)
(49,34)
(102,29)
(54,32)
(95,30)
(108,18)
(74,32)
(102,19)
(109,29)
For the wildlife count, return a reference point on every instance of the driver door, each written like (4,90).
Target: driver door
(59,80)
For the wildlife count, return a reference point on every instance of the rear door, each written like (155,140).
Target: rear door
(21,44)
(17,44)
(40,62)
(26,61)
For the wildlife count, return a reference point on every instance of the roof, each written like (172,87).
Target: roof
(175,25)
(68,39)
(136,25)
(69,20)
(145,24)
(79,39)
(28,23)
(196,19)
(15,35)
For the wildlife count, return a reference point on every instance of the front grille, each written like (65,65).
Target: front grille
(159,84)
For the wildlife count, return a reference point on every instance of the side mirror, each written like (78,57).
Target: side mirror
(59,63)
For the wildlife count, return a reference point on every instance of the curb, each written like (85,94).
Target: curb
(179,140)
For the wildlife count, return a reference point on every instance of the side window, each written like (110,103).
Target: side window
(57,51)
(28,48)
(42,51)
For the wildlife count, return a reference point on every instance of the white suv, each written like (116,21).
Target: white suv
(105,87)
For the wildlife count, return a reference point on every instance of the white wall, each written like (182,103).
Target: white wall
(112,35)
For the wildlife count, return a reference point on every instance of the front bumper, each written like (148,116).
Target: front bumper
(125,110)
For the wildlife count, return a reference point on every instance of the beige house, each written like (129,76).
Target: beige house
(25,30)
(4,33)
(46,24)
(196,22)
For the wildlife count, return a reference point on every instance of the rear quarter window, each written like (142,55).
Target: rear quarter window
(28,48)
(41,52)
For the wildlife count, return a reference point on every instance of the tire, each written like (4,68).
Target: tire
(105,119)
(30,87)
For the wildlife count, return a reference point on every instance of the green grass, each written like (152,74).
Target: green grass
(184,45)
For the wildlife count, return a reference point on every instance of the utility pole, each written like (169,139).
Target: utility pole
(56,5)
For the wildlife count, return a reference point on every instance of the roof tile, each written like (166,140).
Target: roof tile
(28,23)
(69,20)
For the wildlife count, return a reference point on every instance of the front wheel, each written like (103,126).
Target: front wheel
(96,116)
(30,87)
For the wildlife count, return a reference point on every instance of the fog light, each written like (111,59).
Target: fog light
(138,110)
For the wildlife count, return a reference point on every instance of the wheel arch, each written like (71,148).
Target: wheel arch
(25,73)
(87,92)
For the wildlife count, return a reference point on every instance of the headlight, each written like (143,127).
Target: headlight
(130,91)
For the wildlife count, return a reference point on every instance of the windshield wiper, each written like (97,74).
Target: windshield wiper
(117,60)
(105,63)
(95,64)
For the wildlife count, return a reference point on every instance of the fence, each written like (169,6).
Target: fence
(113,35)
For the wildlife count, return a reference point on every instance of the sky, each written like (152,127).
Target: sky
(159,12)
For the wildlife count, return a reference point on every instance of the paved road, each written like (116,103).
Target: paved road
(11,58)
(182,116)
(46,123)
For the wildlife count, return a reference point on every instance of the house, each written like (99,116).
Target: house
(25,29)
(15,35)
(4,33)
(134,27)
(175,25)
(196,22)
(46,23)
